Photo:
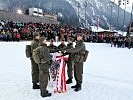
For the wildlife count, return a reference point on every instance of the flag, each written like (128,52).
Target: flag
(61,75)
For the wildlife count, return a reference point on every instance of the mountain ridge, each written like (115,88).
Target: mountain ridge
(67,11)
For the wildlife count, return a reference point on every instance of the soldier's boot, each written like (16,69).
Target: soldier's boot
(69,81)
(35,86)
(45,94)
(75,86)
(78,88)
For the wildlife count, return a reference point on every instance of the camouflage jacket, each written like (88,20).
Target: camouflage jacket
(45,55)
(34,44)
(78,51)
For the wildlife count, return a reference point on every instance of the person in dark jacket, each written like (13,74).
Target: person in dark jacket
(46,61)
(35,69)
(70,61)
(62,45)
(78,52)
(52,46)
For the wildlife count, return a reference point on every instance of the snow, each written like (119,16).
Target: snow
(94,28)
(93,11)
(121,32)
(107,74)
(128,6)
(106,21)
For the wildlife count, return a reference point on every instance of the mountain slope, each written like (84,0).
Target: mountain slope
(102,9)
(60,7)
(68,11)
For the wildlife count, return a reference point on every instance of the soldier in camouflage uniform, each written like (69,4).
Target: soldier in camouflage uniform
(78,52)
(46,61)
(35,70)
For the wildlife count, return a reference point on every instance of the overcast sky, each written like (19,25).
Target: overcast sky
(129,6)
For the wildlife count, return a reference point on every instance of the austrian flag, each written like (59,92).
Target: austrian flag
(61,75)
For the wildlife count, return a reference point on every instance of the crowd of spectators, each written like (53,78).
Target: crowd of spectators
(13,31)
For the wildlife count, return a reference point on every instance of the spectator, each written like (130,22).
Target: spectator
(17,37)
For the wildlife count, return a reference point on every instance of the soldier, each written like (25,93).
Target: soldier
(46,61)
(62,45)
(70,61)
(51,45)
(78,61)
(129,42)
(35,70)
(132,43)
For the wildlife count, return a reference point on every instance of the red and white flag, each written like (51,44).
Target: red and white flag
(61,75)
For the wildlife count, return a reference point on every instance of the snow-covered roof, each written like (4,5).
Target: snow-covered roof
(95,29)
(121,32)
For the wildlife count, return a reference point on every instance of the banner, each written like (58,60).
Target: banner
(61,75)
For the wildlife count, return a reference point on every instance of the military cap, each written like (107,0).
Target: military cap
(42,39)
(36,34)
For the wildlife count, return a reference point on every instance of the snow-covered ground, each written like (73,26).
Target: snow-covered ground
(108,75)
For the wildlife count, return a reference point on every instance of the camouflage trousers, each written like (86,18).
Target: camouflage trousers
(43,77)
(35,71)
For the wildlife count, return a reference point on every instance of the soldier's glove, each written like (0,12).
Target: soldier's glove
(64,53)
(50,62)
(59,52)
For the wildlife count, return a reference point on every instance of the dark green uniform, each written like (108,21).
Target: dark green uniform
(78,60)
(35,69)
(52,48)
(62,46)
(44,66)
(70,62)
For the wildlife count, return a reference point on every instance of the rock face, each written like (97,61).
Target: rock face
(101,9)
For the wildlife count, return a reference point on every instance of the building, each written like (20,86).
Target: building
(107,33)
(52,17)
(9,16)
(36,12)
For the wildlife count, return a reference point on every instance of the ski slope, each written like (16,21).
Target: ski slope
(107,74)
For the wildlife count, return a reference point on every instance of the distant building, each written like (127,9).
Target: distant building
(106,33)
(39,13)
(34,17)
(52,17)
(36,12)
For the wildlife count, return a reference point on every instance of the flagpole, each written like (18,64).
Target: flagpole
(119,4)
(131,12)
